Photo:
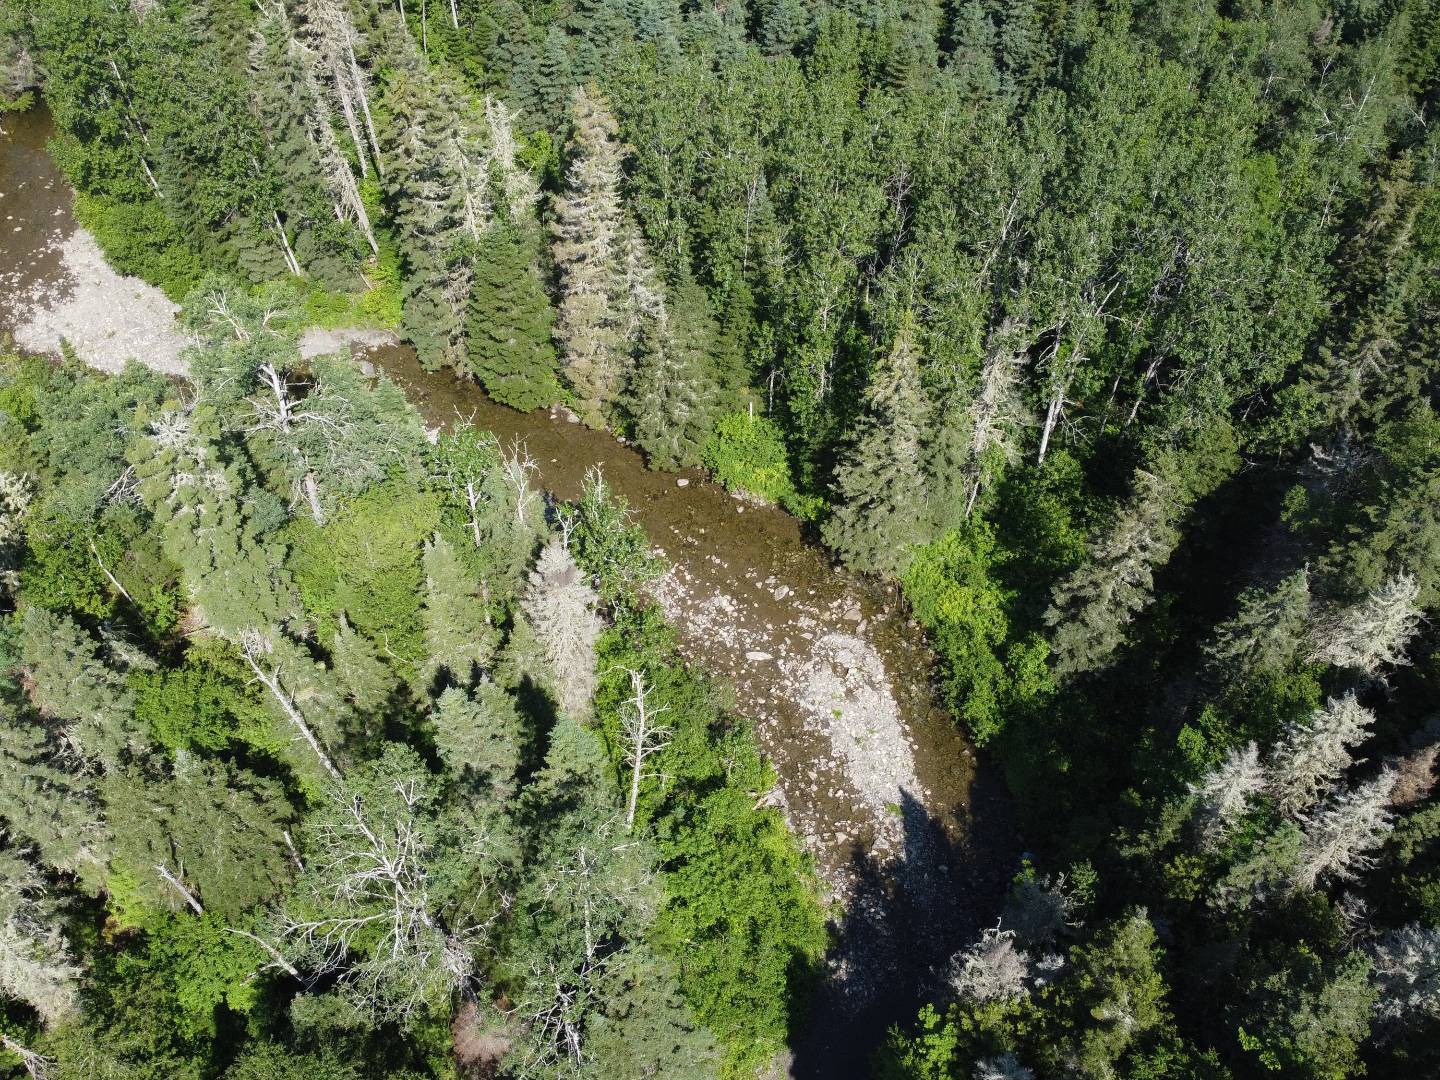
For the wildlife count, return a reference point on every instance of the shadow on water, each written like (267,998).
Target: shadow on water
(907,919)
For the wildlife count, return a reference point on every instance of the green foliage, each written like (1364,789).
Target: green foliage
(204,703)
(140,240)
(741,916)
(747,454)
(951,589)
(365,563)
(608,544)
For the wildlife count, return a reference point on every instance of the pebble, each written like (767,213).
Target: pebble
(682,482)
(756,654)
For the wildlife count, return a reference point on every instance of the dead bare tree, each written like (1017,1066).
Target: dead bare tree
(258,652)
(645,736)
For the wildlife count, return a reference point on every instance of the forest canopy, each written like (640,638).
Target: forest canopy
(1105,332)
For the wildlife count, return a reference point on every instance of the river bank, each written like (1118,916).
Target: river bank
(911,842)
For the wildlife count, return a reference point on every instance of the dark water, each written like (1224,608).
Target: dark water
(909,903)
(35,203)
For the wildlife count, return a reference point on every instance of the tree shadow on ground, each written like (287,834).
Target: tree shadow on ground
(906,919)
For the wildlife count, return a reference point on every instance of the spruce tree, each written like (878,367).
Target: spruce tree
(674,397)
(881,484)
(1341,835)
(47,803)
(1317,751)
(459,638)
(560,606)
(508,341)
(1372,633)
(71,682)
(1224,794)
(35,962)
(478,735)
(1093,605)
(588,234)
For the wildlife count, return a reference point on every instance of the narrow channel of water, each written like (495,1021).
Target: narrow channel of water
(879,783)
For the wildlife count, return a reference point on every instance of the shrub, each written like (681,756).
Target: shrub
(746,453)
(139,239)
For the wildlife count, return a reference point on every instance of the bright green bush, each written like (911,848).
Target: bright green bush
(952,589)
(746,453)
(140,240)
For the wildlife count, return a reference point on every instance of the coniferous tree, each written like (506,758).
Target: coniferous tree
(1092,606)
(588,232)
(35,964)
(72,683)
(508,340)
(47,803)
(1373,632)
(228,571)
(209,836)
(459,637)
(1225,793)
(294,112)
(880,483)
(673,398)
(1317,751)
(478,734)
(1270,628)
(437,175)
(1340,835)
(560,607)
(1407,971)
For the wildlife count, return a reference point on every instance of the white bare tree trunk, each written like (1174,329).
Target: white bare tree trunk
(253,647)
(644,737)
(175,883)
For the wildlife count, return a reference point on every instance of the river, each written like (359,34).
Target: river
(912,840)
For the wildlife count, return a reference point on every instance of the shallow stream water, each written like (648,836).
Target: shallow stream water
(913,844)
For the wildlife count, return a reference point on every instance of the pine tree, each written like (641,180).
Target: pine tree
(508,341)
(1224,794)
(70,682)
(674,396)
(1372,633)
(880,483)
(588,232)
(35,964)
(561,607)
(478,735)
(1091,608)
(1340,836)
(1317,751)
(459,637)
